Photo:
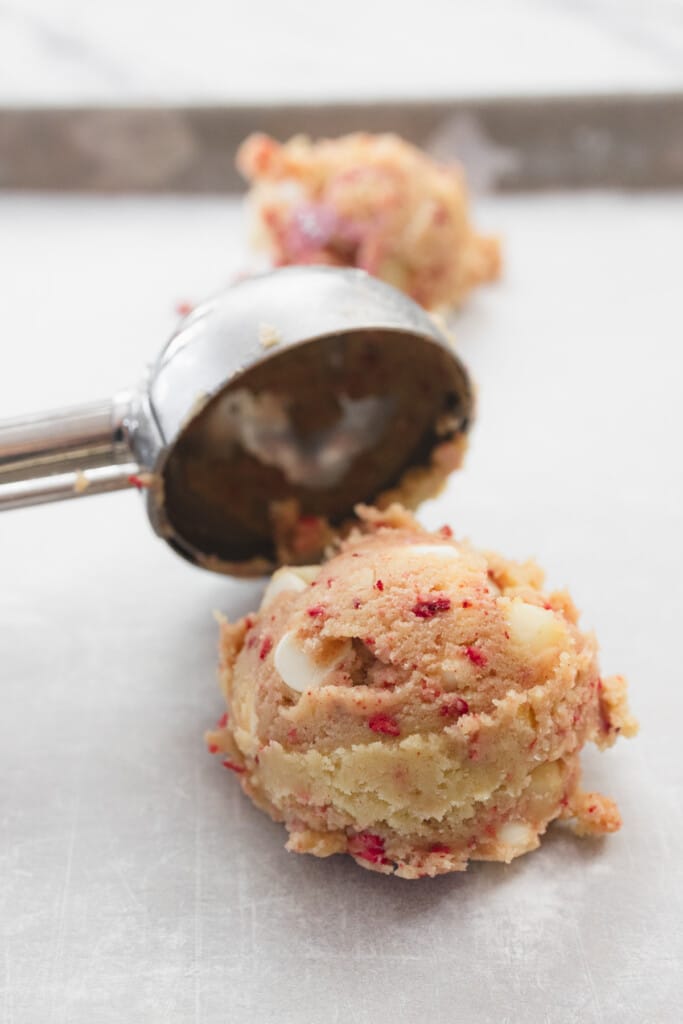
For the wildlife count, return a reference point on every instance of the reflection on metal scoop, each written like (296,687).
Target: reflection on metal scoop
(361,387)
(262,426)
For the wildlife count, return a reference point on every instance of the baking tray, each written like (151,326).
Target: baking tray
(136,882)
(620,141)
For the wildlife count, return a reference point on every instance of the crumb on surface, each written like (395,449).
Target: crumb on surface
(269,336)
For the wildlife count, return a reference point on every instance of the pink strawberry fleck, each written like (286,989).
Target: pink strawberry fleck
(455,708)
(385,724)
(308,520)
(427,608)
(137,481)
(476,656)
(367,846)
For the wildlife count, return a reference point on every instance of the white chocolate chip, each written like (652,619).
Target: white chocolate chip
(517,835)
(307,572)
(297,669)
(296,579)
(546,780)
(440,551)
(534,627)
(363,578)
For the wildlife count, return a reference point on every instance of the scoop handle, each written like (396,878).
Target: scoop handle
(67,453)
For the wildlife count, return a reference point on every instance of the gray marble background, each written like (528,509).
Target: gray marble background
(169,52)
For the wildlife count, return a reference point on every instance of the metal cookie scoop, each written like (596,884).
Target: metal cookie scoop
(309,383)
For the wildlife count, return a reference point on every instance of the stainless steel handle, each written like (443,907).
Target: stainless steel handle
(68,453)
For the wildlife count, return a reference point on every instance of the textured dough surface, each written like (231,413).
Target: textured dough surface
(416,703)
(369,201)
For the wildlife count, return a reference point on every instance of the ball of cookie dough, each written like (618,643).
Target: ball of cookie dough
(369,201)
(416,703)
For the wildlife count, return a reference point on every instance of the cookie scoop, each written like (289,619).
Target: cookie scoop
(273,410)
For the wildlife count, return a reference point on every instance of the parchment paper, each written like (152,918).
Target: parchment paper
(137,884)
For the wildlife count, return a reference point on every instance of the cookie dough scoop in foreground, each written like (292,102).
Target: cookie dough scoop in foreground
(272,411)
